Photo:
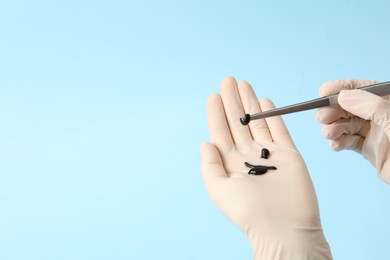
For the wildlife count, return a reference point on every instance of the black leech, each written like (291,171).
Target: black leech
(246,120)
(258,169)
(265,153)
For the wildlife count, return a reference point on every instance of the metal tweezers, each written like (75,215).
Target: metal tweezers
(380,89)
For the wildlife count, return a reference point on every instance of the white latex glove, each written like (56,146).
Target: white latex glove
(362,123)
(277,211)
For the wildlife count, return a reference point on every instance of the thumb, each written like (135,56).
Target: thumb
(367,106)
(212,166)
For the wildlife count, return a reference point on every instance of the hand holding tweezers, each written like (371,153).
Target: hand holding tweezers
(380,89)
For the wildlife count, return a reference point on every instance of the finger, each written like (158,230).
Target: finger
(258,128)
(212,166)
(218,127)
(347,142)
(335,86)
(328,115)
(351,126)
(234,111)
(368,106)
(277,128)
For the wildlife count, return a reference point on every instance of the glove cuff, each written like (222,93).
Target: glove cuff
(303,244)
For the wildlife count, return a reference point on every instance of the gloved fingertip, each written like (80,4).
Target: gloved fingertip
(331,87)
(320,116)
(344,96)
(212,99)
(228,82)
(327,115)
(266,104)
(324,89)
(335,146)
(326,133)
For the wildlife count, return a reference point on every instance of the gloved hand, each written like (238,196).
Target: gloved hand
(361,123)
(277,211)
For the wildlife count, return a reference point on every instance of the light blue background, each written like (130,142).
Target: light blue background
(93,164)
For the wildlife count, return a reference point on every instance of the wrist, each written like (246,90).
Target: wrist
(304,244)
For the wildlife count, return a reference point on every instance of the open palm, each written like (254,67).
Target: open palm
(272,208)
